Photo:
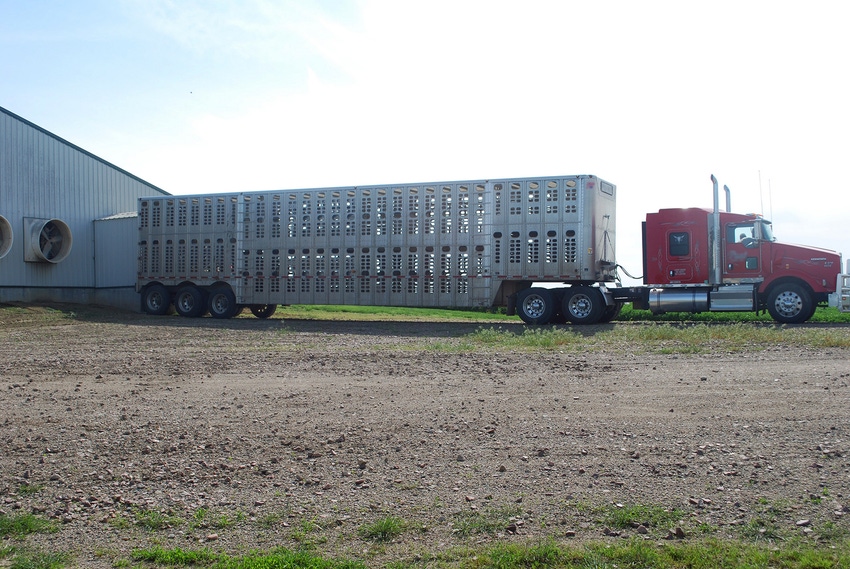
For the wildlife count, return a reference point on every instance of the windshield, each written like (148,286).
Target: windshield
(767,231)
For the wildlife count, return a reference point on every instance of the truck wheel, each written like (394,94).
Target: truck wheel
(535,305)
(611,312)
(156,300)
(790,304)
(583,305)
(263,310)
(222,303)
(189,301)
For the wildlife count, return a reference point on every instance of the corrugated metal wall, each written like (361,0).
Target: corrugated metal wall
(45,177)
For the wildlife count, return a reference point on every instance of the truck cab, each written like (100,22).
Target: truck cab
(755,270)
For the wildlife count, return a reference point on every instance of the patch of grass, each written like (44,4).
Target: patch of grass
(627,516)
(307,534)
(23,316)
(486,522)
(120,522)
(546,554)
(823,314)
(536,338)
(199,518)
(256,560)
(760,529)
(270,520)
(385,529)
(24,524)
(634,553)
(29,489)
(223,521)
(39,560)
(663,337)
(155,520)
(831,532)
(372,313)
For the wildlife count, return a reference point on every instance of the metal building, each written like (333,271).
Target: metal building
(68,222)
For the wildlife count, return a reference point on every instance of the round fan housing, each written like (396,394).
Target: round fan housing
(5,236)
(50,241)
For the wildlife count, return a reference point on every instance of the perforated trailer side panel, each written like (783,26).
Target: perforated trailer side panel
(440,244)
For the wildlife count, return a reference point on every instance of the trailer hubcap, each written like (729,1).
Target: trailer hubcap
(534,306)
(789,304)
(155,301)
(580,306)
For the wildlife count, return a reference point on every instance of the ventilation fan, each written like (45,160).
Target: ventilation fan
(5,236)
(49,240)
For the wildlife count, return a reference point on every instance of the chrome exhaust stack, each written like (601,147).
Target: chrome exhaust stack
(716,276)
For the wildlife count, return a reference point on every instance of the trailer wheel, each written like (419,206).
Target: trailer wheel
(222,303)
(790,304)
(583,305)
(263,310)
(535,305)
(156,300)
(189,301)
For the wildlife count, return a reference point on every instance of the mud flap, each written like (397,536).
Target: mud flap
(510,310)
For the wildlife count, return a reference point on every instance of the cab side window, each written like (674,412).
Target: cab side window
(742,234)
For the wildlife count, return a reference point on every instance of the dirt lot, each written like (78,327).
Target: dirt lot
(132,431)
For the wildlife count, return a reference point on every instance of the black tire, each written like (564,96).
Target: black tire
(790,303)
(583,305)
(222,303)
(189,301)
(535,305)
(155,300)
(263,310)
(611,312)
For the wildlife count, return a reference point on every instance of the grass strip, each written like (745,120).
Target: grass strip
(632,553)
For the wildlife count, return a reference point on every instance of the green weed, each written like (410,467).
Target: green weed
(385,529)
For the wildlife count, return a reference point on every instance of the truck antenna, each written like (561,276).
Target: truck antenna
(770,198)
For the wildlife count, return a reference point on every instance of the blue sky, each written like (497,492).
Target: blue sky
(203,96)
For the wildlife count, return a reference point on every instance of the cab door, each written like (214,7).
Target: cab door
(742,255)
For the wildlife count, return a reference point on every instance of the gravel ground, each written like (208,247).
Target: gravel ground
(132,431)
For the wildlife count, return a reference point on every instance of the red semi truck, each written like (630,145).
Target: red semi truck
(543,247)
(699,260)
